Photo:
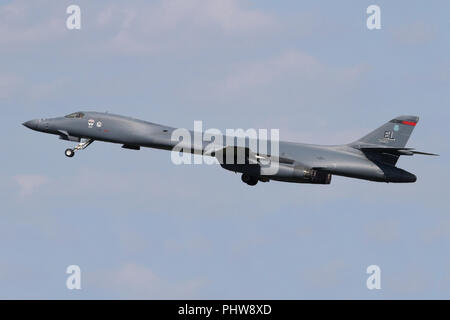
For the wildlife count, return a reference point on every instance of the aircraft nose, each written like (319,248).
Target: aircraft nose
(32,124)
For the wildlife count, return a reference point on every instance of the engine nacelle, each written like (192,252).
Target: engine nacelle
(319,177)
(286,172)
(299,174)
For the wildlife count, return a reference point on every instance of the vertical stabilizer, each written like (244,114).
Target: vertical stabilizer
(393,134)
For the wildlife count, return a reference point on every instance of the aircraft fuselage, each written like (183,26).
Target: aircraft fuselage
(306,161)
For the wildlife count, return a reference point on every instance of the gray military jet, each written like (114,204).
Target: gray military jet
(373,157)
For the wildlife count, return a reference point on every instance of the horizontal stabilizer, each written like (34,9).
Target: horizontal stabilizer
(395,151)
(425,153)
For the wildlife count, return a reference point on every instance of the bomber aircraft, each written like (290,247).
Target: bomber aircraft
(372,157)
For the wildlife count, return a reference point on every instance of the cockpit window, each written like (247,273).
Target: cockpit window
(75,115)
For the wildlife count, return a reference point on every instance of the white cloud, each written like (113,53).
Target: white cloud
(91,184)
(20,28)
(384,231)
(411,281)
(417,33)
(45,90)
(304,70)
(264,72)
(30,183)
(438,232)
(17,87)
(178,24)
(141,28)
(231,17)
(135,281)
(326,276)
(9,85)
(191,244)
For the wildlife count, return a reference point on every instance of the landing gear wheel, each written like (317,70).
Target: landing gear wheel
(248,179)
(245,178)
(69,153)
(82,145)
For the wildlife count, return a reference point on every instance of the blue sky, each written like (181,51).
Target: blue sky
(140,227)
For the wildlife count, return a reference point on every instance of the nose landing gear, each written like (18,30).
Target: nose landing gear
(248,179)
(69,153)
(82,145)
